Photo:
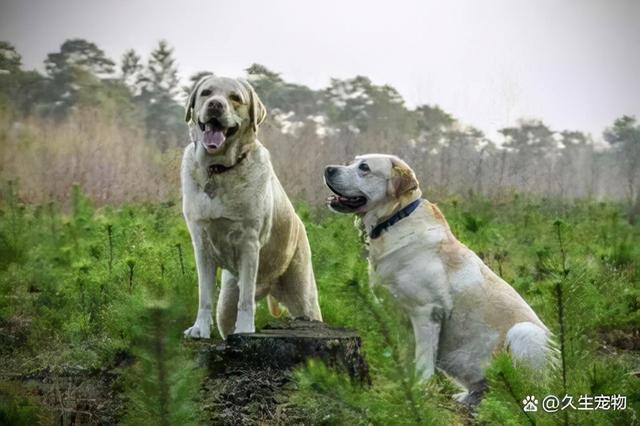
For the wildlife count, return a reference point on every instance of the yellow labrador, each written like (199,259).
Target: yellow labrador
(239,217)
(460,310)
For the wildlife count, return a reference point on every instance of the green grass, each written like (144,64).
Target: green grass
(89,284)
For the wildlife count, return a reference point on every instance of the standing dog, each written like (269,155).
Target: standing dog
(239,217)
(460,310)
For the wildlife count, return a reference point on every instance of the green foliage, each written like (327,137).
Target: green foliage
(572,288)
(76,75)
(624,135)
(159,87)
(330,398)
(164,380)
(83,279)
(130,70)
(529,136)
(18,408)
(83,275)
(80,76)
(78,53)
(18,88)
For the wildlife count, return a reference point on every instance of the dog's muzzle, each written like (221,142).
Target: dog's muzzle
(339,202)
(214,134)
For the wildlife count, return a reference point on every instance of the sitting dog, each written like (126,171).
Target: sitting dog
(460,310)
(238,215)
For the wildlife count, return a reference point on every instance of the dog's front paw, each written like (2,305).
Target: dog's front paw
(244,323)
(197,332)
(201,329)
(461,397)
(472,397)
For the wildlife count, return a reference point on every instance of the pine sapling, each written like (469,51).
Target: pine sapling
(163,383)
(512,394)
(12,198)
(180,259)
(131,265)
(52,220)
(559,300)
(110,240)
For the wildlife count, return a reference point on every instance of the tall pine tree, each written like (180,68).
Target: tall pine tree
(75,75)
(159,92)
(131,71)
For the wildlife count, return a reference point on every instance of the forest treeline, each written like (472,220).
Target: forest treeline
(116,128)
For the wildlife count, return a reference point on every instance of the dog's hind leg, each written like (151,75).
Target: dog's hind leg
(227,308)
(296,288)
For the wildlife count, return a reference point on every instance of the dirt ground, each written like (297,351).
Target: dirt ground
(242,387)
(249,378)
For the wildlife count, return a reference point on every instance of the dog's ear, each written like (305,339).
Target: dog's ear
(403,179)
(257,110)
(191,101)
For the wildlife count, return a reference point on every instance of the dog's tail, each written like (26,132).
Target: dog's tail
(531,343)
(274,306)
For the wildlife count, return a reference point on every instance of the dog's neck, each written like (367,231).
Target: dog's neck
(226,159)
(380,213)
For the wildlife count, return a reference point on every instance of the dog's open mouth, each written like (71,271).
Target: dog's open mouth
(215,134)
(343,203)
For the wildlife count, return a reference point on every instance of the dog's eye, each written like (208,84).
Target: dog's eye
(205,92)
(235,98)
(364,167)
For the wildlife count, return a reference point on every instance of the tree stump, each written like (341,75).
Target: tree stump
(250,374)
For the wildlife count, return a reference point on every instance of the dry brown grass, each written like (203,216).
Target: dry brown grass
(111,163)
(114,163)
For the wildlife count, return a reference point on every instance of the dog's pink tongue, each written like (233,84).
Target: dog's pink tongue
(214,138)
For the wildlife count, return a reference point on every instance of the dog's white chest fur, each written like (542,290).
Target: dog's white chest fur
(405,260)
(215,196)
(227,219)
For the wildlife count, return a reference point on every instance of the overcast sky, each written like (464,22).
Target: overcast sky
(574,64)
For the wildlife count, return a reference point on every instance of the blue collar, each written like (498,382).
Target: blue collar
(395,218)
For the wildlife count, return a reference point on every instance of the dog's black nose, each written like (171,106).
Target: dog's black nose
(329,171)
(215,106)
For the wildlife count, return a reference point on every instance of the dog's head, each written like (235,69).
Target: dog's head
(369,181)
(221,110)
